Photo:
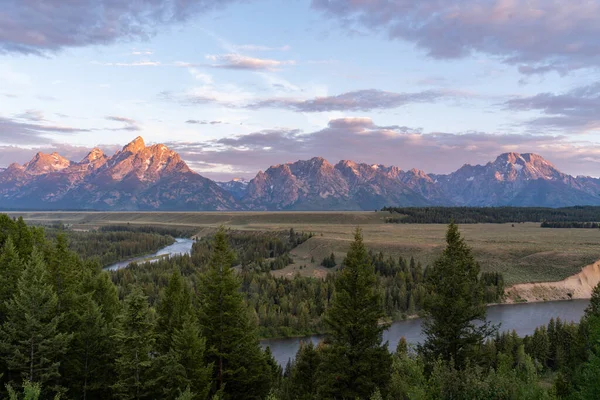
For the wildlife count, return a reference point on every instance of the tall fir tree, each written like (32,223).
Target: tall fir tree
(89,360)
(456,312)
(240,368)
(32,344)
(356,362)
(64,272)
(174,308)
(183,366)
(11,267)
(134,339)
(303,374)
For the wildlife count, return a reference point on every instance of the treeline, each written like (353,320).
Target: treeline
(496,215)
(264,251)
(176,232)
(293,307)
(111,246)
(582,225)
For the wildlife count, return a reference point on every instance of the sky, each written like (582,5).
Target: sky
(238,86)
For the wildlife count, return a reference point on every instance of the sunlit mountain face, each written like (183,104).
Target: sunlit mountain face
(140,177)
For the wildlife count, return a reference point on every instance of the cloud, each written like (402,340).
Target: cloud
(130,124)
(575,111)
(257,47)
(41,27)
(362,140)
(536,35)
(16,132)
(203,122)
(360,100)
(31,115)
(238,61)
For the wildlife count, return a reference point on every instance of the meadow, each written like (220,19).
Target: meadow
(523,252)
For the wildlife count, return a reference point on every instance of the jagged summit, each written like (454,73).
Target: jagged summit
(93,155)
(43,163)
(135,146)
(141,177)
(523,159)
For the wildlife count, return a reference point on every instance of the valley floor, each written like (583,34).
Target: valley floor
(524,253)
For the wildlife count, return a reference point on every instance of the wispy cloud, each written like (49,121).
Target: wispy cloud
(27,133)
(575,111)
(203,122)
(258,47)
(130,124)
(360,100)
(238,61)
(31,115)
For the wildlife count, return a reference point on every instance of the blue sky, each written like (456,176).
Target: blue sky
(236,86)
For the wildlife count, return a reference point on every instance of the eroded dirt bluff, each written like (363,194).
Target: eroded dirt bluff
(578,286)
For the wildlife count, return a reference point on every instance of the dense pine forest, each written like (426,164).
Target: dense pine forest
(493,215)
(188,327)
(582,225)
(112,243)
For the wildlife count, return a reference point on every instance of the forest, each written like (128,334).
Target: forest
(490,215)
(581,225)
(189,328)
(112,243)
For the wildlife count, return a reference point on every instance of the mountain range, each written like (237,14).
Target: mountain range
(141,177)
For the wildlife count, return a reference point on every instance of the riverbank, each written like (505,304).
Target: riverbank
(179,247)
(578,286)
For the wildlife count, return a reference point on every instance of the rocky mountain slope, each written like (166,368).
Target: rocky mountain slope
(237,187)
(135,178)
(141,177)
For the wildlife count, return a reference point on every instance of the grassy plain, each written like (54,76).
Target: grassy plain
(523,253)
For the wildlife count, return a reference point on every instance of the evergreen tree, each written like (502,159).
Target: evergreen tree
(456,312)
(104,293)
(355,362)
(64,272)
(90,353)
(10,270)
(183,367)
(32,344)
(593,309)
(134,339)
(240,369)
(174,307)
(303,374)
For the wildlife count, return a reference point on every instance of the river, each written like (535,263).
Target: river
(181,246)
(523,318)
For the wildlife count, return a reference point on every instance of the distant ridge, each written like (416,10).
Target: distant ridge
(140,177)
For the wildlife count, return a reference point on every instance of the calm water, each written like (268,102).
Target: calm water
(181,246)
(523,318)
